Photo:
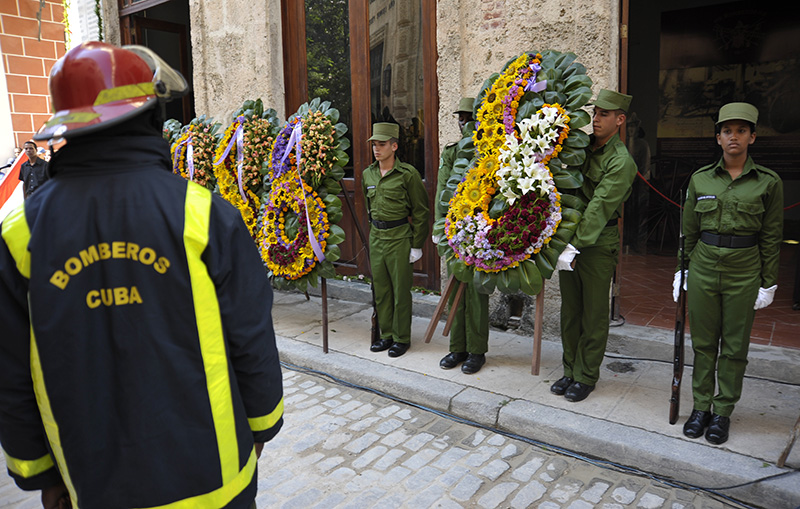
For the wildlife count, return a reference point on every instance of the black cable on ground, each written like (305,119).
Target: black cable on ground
(548,447)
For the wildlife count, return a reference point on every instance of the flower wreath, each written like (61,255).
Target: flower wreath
(242,157)
(193,151)
(507,220)
(298,235)
(290,254)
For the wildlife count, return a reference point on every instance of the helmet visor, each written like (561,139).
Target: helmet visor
(168,83)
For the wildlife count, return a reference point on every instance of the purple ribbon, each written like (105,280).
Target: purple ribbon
(533,85)
(294,142)
(189,155)
(236,138)
(190,158)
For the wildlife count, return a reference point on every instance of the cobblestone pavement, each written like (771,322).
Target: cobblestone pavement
(343,447)
(347,448)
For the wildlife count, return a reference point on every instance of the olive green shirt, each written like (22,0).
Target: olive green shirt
(446,161)
(608,174)
(398,194)
(750,205)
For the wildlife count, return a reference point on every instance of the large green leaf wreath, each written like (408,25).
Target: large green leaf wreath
(510,209)
(242,158)
(193,148)
(300,195)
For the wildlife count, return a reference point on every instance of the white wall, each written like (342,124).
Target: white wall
(6,129)
(82,22)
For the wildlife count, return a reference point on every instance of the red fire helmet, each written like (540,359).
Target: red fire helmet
(98,85)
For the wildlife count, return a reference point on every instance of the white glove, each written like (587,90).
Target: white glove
(676,283)
(414,255)
(765,296)
(436,239)
(566,257)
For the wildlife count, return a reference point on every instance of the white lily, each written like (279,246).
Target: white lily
(527,185)
(542,143)
(510,196)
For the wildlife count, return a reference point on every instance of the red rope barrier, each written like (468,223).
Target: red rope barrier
(678,205)
(657,191)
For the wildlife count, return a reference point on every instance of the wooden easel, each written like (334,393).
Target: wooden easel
(790,443)
(450,287)
(324,289)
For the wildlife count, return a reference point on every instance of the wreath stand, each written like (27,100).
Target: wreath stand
(324,287)
(451,287)
(324,284)
(324,296)
(790,443)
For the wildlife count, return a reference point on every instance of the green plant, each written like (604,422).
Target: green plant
(98,11)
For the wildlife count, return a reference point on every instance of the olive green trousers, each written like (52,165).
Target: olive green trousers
(392,276)
(585,311)
(721,314)
(469,331)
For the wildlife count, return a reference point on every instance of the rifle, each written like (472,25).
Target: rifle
(680,325)
(375,333)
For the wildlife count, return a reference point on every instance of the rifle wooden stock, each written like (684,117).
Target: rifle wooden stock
(677,360)
(680,327)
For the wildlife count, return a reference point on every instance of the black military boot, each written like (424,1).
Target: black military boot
(717,432)
(696,424)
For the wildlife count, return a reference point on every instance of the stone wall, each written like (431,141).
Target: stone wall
(238,57)
(477,37)
(237,54)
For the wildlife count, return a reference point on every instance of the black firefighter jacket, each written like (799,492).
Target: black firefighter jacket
(137,354)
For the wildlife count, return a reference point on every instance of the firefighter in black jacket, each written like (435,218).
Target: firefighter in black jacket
(138,365)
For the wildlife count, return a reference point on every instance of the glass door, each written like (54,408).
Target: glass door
(375,60)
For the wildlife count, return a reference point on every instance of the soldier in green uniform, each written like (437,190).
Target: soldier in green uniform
(469,333)
(587,264)
(397,204)
(733,222)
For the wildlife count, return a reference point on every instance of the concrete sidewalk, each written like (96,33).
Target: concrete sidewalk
(625,420)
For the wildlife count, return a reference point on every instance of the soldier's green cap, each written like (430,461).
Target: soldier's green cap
(738,111)
(610,100)
(384,131)
(465,105)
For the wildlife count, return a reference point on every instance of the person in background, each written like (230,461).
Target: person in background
(394,192)
(733,223)
(587,264)
(17,152)
(469,333)
(33,172)
(138,366)
(44,154)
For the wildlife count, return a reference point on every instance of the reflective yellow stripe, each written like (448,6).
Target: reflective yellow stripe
(83,117)
(16,234)
(28,468)
(49,421)
(267,421)
(221,496)
(124,92)
(209,328)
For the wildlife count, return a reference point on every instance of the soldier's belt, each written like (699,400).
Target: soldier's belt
(386,225)
(733,241)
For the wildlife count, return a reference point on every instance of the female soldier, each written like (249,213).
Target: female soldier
(733,222)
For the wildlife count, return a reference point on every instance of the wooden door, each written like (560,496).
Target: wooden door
(366,90)
(168,39)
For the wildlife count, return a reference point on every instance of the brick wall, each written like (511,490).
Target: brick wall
(27,60)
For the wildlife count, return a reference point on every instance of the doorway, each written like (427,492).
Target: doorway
(384,53)
(685,60)
(163,26)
